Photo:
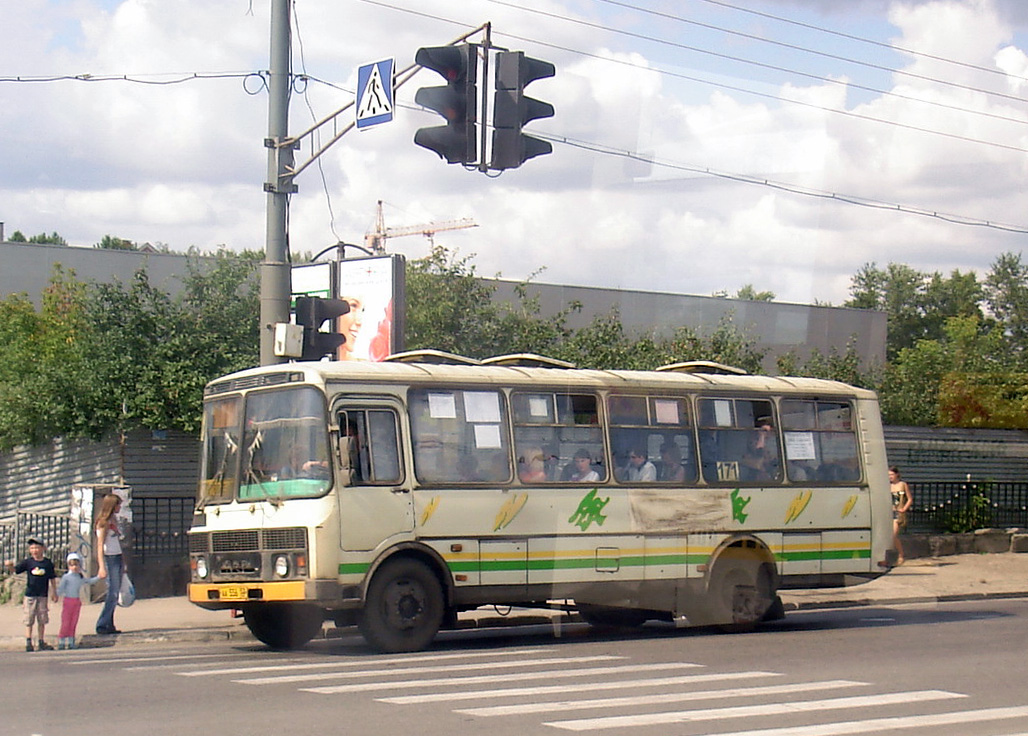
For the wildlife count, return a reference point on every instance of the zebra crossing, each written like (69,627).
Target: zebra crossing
(570,692)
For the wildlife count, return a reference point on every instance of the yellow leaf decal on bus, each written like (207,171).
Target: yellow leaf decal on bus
(429,510)
(509,510)
(797,506)
(850,503)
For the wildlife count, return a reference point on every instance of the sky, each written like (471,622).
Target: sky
(699,146)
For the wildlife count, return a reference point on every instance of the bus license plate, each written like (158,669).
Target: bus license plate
(233,592)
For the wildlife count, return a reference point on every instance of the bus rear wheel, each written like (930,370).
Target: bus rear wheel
(283,625)
(404,607)
(741,593)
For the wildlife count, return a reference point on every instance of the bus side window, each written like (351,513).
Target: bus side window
(739,441)
(371,446)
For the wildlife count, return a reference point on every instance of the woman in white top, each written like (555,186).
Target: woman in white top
(108,556)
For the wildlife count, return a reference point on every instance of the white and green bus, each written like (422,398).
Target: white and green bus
(395,495)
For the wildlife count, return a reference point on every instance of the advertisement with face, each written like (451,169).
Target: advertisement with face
(370,286)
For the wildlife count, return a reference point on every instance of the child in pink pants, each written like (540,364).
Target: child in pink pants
(69,590)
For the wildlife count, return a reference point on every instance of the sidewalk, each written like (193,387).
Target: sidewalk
(955,577)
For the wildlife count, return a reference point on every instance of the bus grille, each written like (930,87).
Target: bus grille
(285,538)
(242,541)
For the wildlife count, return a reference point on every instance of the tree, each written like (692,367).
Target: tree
(46,383)
(42,239)
(916,304)
(109,242)
(750,294)
(1006,293)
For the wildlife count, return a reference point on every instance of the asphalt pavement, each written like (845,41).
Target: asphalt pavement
(175,619)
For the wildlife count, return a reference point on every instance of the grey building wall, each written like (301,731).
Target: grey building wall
(27,268)
(776,327)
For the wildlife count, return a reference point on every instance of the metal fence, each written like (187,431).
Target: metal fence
(51,529)
(957,507)
(160,526)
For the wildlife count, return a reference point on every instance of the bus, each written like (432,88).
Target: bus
(395,495)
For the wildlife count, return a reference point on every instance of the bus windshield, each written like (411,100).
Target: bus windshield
(279,449)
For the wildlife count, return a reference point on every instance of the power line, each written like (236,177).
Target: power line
(782,186)
(781,44)
(699,80)
(721,85)
(773,67)
(852,37)
(181,77)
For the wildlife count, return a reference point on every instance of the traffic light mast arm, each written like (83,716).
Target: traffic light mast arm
(403,76)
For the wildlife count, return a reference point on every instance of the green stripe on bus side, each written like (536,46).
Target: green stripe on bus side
(582,563)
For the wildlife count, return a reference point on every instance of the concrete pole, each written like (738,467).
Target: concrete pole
(275,274)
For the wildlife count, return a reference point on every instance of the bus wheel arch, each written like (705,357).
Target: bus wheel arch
(742,586)
(405,603)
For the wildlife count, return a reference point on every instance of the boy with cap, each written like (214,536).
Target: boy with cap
(39,582)
(70,589)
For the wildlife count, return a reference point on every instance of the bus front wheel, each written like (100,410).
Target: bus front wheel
(283,625)
(404,607)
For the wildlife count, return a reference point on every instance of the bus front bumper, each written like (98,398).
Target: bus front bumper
(215,596)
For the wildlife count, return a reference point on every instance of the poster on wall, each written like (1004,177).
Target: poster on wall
(374,287)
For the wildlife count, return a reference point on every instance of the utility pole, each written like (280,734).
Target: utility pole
(275,274)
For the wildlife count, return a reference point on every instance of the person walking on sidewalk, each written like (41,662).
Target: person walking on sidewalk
(902,500)
(108,555)
(70,589)
(38,586)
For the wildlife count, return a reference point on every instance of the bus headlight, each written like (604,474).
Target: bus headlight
(282,565)
(201,568)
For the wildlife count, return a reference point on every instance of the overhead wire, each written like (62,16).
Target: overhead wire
(316,141)
(762,39)
(853,37)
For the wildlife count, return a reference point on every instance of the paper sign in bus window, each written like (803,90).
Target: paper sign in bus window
(442,406)
(481,406)
(723,413)
(728,471)
(487,436)
(538,406)
(800,446)
(667,412)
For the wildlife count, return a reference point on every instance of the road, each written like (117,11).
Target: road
(944,670)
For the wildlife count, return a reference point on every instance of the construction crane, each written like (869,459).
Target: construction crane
(375,240)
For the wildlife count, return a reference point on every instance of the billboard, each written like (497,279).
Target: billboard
(374,287)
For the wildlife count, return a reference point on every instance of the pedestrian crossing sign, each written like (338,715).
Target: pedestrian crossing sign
(374,94)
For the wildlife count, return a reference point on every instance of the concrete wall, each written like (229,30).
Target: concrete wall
(777,327)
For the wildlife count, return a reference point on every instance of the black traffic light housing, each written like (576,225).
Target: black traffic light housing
(515,71)
(457,141)
(311,313)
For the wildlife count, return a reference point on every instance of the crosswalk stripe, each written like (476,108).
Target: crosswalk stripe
(878,725)
(282,679)
(659,698)
(745,711)
(358,662)
(507,677)
(574,687)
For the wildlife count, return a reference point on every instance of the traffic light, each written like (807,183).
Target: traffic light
(511,110)
(311,313)
(457,141)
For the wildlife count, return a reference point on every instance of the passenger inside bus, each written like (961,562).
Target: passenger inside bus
(671,468)
(532,466)
(581,468)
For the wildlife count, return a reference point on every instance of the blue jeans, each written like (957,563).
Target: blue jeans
(105,624)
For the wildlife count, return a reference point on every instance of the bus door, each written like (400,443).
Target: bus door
(375,501)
